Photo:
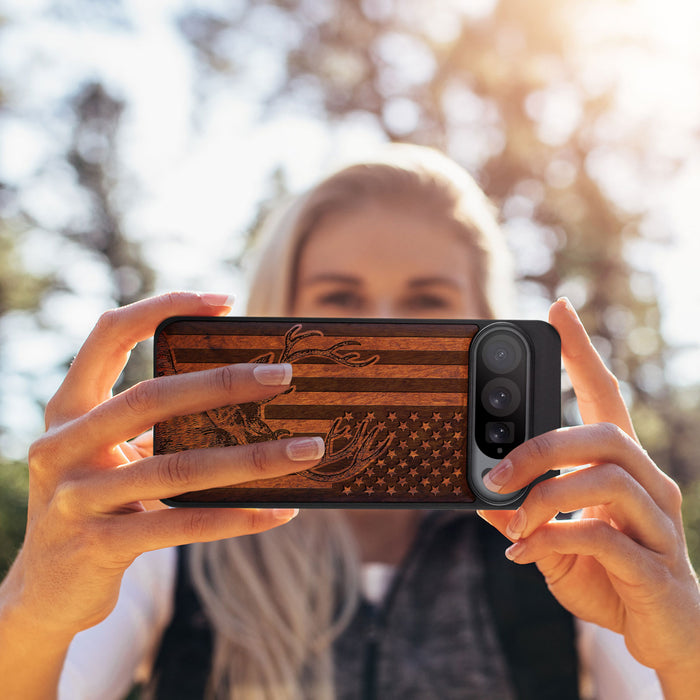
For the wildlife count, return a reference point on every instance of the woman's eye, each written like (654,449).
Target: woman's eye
(341,299)
(427,302)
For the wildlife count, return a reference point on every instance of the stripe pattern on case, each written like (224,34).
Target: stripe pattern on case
(391,406)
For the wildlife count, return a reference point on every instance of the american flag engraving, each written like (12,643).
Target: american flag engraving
(389,400)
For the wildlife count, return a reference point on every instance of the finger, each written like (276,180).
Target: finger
(143,444)
(142,532)
(607,486)
(596,388)
(138,408)
(105,352)
(165,476)
(614,550)
(138,448)
(583,444)
(497,518)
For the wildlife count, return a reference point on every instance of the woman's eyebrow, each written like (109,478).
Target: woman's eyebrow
(432,281)
(333,277)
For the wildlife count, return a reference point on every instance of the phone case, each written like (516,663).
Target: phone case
(389,398)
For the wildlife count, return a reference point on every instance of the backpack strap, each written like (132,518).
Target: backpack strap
(183,664)
(536,633)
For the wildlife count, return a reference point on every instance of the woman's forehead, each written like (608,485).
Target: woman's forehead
(407,238)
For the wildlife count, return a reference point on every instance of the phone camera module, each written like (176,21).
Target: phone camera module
(502,353)
(500,432)
(500,396)
(499,376)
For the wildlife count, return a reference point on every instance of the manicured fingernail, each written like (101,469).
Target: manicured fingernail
(515,550)
(569,306)
(273,375)
(285,514)
(516,525)
(499,476)
(303,449)
(218,299)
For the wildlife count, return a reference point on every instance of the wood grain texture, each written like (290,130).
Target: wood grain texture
(389,400)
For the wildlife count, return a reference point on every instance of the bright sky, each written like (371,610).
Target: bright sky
(194,189)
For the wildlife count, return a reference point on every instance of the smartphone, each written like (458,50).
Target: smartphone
(413,413)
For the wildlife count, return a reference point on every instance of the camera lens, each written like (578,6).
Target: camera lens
(499,432)
(500,396)
(502,353)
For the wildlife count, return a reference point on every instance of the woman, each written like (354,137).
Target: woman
(411,236)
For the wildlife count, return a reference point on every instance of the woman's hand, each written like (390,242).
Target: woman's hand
(624,564)
(88,517)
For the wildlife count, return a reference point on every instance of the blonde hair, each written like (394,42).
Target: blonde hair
(277,600)
(416,176)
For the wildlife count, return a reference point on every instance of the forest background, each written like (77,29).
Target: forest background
(140,143)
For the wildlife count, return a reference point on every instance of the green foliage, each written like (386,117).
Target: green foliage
(18,289)
(14,484)
(691,521)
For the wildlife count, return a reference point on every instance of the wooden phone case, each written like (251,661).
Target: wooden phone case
(389,398)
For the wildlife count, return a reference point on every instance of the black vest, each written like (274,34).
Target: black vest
(534,634)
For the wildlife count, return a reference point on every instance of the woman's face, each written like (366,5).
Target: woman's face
(385,261)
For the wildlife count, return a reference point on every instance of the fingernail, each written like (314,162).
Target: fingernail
(303,449)
(515,550)
(516,525)
(569,306)
(273,375)
(498,477)
(218,299)
(285,514)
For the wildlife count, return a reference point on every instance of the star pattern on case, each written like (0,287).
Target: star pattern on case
(425,455)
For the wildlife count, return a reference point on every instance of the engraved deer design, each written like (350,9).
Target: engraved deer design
(348,451)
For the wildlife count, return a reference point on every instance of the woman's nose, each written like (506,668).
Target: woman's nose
(382,308)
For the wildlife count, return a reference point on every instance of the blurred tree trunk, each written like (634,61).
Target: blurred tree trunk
(93,153)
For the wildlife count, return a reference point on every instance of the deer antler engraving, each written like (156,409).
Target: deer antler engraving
(294,336)
(363,447)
